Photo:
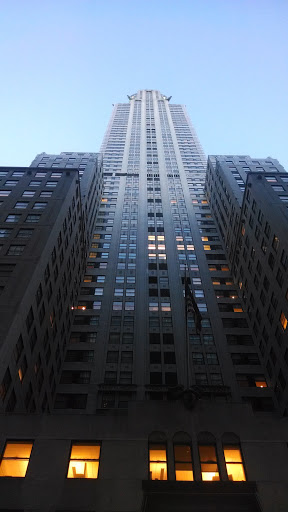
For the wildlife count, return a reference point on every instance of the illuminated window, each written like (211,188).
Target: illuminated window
(15,459)
(151,237)
(208,460)
(190,247)
(283,321)
(161,247)
(180,247)
(237,308)
(260,382)
(151,246)
(84,461)
(234,463)
(160,238)
(183,462)
(157,462)
(207,247)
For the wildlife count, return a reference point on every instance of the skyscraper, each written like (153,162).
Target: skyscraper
(162,393)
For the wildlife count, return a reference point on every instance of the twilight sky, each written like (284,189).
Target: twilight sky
(64,62)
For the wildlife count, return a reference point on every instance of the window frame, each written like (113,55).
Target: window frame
(161,445)
(83,444)
(20,442)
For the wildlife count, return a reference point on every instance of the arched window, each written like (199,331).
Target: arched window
(233,457)
(208,457)
(182,457)
(157,456)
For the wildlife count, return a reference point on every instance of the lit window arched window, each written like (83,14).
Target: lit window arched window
(208,457)
(183,457)
(233,457)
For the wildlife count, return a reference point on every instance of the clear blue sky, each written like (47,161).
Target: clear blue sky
(64,62)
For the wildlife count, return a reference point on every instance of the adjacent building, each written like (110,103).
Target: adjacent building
(45,223)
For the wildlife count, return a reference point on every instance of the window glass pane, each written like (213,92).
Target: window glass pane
(158,462)
(209,466)
(234,464)
(183,463)
(84,461)
(15,459)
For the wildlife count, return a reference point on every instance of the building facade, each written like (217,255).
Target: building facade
(44,232)
(155,405)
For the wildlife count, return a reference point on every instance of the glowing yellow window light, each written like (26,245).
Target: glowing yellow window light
(161,247)
(283,321)
(151,246)
(160,238)
(20,374)
(180,247)
(84,461)
(216,281)
(15,459)
(183,463)
(104,200)
(151,237)
(190,247)
(234,463)
(207,247)
(237,308)
(209,466)
(204,238)
(261,383)
(157,462)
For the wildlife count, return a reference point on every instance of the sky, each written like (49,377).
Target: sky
(65,62)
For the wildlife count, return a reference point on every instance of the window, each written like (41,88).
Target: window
(275,243)
(15,459)
(183,462)
(208,461)
(5,232)
(39,206)
(212,358)
(198,358)
(157,462)
(24,233)
(234,463)
(84,461)
(32,218)
(283,321)
(13,218)
(28,193)
(15,250)
(20,204)
(13,183)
